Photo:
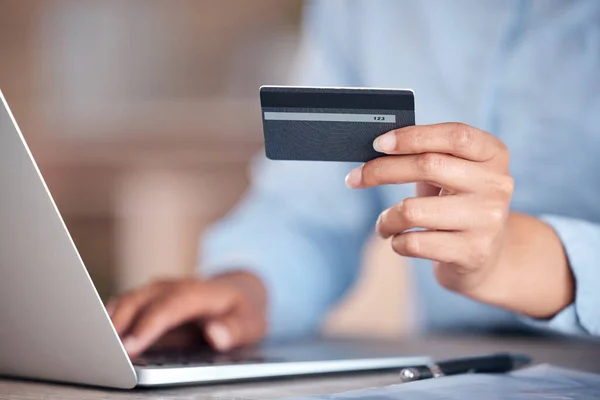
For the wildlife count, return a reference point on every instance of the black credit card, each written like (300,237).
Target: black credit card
(331,124)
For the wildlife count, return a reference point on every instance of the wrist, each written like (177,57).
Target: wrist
(246,283)
(532,275)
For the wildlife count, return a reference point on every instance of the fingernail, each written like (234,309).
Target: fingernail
(219,336)
(385,143)
(131,344)
(354,178)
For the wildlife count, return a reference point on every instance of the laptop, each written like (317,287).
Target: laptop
(53,325)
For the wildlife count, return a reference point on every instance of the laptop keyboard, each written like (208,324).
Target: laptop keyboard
(196,358)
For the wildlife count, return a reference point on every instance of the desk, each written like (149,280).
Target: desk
(582,355)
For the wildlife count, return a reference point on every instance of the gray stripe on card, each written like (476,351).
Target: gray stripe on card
(329,117)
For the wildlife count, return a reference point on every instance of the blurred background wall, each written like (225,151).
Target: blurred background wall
(127,106)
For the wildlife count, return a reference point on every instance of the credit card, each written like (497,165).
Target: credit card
(331,124)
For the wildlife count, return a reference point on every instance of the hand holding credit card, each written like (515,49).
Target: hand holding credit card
(463,191)
(331,124)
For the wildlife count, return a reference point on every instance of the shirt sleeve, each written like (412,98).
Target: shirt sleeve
(581,241)
(299,228)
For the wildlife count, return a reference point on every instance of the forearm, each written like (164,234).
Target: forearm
(532,276)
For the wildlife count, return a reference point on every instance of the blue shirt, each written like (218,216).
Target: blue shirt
(527,71)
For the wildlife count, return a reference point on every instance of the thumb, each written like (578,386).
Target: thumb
(224,333)
(220,335)
(232,330)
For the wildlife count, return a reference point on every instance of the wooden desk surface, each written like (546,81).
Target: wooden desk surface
(584,355)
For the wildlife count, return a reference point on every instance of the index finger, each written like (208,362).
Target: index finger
(124,310)
(453,138)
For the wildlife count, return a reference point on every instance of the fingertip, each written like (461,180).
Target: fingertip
(385,143)
(110,307)
(379,227)
(132,346)
(219,336)
(354,178)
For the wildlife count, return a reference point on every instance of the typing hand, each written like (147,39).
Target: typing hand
(229,310)
(463,195)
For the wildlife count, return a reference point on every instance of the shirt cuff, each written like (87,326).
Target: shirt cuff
(581,241)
